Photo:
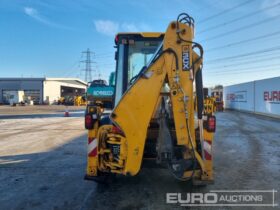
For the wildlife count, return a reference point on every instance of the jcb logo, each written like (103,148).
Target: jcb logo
(186,57)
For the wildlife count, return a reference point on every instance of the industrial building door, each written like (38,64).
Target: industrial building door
(33,95)
(7,95)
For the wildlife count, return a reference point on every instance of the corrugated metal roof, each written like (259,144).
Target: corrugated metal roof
(42,79)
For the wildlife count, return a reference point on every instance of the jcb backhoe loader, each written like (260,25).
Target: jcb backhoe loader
(154,113)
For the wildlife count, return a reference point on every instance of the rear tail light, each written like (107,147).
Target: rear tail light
(211,124)
(88,121)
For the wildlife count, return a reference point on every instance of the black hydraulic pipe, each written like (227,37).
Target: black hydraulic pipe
(199,93)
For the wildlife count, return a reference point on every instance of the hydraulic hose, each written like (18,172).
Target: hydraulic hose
(200,107)
(199,93)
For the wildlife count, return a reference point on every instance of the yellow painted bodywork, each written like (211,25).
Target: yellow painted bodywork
(137,106)
(133,114)
(144,34)
(92,162)
(79,101)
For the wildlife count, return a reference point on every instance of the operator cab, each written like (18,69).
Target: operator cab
(98,83)
(134,51)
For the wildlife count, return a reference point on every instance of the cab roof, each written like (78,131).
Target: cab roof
(143,34)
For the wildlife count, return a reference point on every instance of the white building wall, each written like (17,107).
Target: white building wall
(47,89)
(268,96)
(262,96)
(52,90)
(239,97)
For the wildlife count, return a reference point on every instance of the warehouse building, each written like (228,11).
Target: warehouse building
(261,97)
(41,90)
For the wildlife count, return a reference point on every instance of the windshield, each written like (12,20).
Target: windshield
(155,55)
(131,58)
(96,83)
(139,54)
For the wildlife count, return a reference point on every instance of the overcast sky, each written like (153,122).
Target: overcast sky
(241,38)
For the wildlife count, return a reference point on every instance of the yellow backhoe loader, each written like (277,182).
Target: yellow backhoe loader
(156,115)
(80,100)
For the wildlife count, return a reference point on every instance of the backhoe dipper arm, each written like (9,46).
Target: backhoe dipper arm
(134,111)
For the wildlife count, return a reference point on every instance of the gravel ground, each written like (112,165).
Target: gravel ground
(43,160)
(36,109)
